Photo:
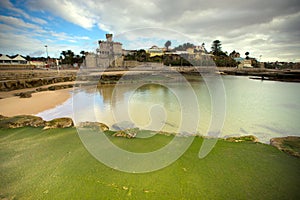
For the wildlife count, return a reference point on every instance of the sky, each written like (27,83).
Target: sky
(268,29)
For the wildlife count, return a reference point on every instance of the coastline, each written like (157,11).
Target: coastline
(39,102)
(287,144)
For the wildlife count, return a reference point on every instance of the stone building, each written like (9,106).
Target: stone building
(109,54)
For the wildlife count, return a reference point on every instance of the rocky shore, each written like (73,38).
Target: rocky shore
(289,145)
(34,121)
(22,79)
(9,85)
(264,74)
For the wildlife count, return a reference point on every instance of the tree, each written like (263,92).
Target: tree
(184,47)
(168,44)
(216,47)
(142,55)
(82,53)
(247,55)
(68,57)
(28,58)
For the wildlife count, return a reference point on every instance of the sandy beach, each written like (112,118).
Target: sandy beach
(39,102)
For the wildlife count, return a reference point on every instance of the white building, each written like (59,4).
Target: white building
(17,60)
(109,54)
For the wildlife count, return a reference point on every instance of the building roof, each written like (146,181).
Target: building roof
(239,59)
(20,58)
(5,57)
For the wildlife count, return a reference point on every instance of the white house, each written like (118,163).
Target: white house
(19,60)
(4,59)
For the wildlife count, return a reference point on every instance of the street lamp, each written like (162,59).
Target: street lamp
(46,53)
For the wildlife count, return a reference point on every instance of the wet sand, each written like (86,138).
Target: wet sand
(39,102)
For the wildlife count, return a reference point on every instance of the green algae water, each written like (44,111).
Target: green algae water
(265,109)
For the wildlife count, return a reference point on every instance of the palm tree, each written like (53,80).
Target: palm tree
(247,55)
(168,44)
(82,53)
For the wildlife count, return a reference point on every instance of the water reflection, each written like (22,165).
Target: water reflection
(265,109)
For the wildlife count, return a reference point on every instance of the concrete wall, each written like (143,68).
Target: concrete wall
(90,60)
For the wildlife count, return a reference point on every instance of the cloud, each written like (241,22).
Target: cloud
(16,22)
(241,25)
(9,6)
(37,53)
(72,11)
(269,28)
(65,37)
(17,36)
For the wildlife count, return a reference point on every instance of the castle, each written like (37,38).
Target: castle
(109,54)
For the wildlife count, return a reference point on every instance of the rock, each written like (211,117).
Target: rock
(289,144)
(21,121)
(123,125)
(25,94)
(41,89)
(36,82)
(3,117)
(249,138)
(94,126)
(59,87)
(2,86)
(63,122)
(128,133)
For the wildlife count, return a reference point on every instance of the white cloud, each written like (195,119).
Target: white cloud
(17,36)
(252,25)
(72,11)
(269,28)
(8,5)
(17,22)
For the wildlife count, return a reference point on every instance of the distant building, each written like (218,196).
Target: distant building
(128,52)
(37,63)
(109,54)
(190,50)
(4,59)
(243,63)
(16,60)
(235,54)
(155,51)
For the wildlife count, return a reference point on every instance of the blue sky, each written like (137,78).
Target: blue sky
(269,28)
(40,28)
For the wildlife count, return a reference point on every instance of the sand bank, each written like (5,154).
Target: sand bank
(39,102)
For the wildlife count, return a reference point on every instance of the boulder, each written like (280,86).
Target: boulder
(63,122)
(128,133)
(21,121)
(289,144)
(94,126)
(123,125)
(3,117)
(59,87)
(2,86)
(36,82)
(247,138)
(25,94)
(41,89)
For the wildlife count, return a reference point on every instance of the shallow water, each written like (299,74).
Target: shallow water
(265,109)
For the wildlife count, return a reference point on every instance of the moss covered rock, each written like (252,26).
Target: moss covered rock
(123,125)
(94,126)
(63,122)
(249,138)
(21,121)
(289,144)
(128,133)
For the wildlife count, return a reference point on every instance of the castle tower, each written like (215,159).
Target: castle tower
(109,37)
